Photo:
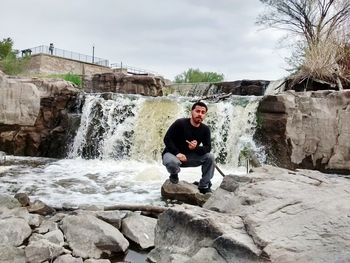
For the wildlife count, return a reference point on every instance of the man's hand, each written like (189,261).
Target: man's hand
(192,144)
(181,157)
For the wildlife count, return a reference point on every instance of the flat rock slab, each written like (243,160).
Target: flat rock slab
(293,216)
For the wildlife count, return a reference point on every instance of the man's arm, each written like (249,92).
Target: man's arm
(169,139)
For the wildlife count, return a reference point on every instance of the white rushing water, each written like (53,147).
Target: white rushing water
(116,154)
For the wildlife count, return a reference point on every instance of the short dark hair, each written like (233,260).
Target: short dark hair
(201,104)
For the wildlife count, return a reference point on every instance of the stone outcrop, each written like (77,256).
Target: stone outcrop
(19,102)
(274,215)
(306,130)
(127,84)
(35,116)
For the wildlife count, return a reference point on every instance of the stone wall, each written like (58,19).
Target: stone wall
(307,129)
(42,63)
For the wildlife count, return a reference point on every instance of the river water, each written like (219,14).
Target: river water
(115,156)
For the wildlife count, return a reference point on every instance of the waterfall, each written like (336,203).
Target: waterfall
(132,127)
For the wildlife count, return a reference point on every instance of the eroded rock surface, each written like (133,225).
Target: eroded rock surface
(307,130)
(34,116)
(274,214)
(127,84)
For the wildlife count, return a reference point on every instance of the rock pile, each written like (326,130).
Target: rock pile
(36,233)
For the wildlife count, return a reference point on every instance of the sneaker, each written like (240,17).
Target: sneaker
(174,178)
(205,190)
(197,183)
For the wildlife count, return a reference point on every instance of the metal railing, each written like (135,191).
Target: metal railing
(133,70)
(65,54)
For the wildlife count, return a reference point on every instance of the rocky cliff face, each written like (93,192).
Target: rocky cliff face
(309,130)
(34,116)
(126,84)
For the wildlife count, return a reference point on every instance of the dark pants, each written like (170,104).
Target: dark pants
(207,161)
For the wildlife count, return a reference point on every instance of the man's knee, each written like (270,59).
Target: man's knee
(169,160)
(209,157)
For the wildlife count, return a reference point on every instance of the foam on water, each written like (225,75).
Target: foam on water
(116,153)
(101,182)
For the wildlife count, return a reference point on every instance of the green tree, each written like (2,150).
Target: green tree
(9,63)
(195,75)
(6,46)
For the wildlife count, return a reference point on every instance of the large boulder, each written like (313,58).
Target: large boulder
(184,192)
(19,102)
(42,250)
(306,130)
(11,254)
(90,237)
(14,231)
(140,229)
(194,229)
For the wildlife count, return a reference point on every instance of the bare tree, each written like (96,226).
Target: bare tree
(323,28)
(314,20)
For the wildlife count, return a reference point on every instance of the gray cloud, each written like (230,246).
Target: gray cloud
(160,35)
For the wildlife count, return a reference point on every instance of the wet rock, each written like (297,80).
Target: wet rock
(11,254)
(184,192)
(40,208)
(14,231)
(139,229)
(89,236)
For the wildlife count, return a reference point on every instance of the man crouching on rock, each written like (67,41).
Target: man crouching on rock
(188,144)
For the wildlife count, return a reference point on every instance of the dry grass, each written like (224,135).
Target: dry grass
(321,61)
(326,61)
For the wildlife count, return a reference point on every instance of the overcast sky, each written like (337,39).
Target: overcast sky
(166,36)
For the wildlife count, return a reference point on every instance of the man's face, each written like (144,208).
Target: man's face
(198,114)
